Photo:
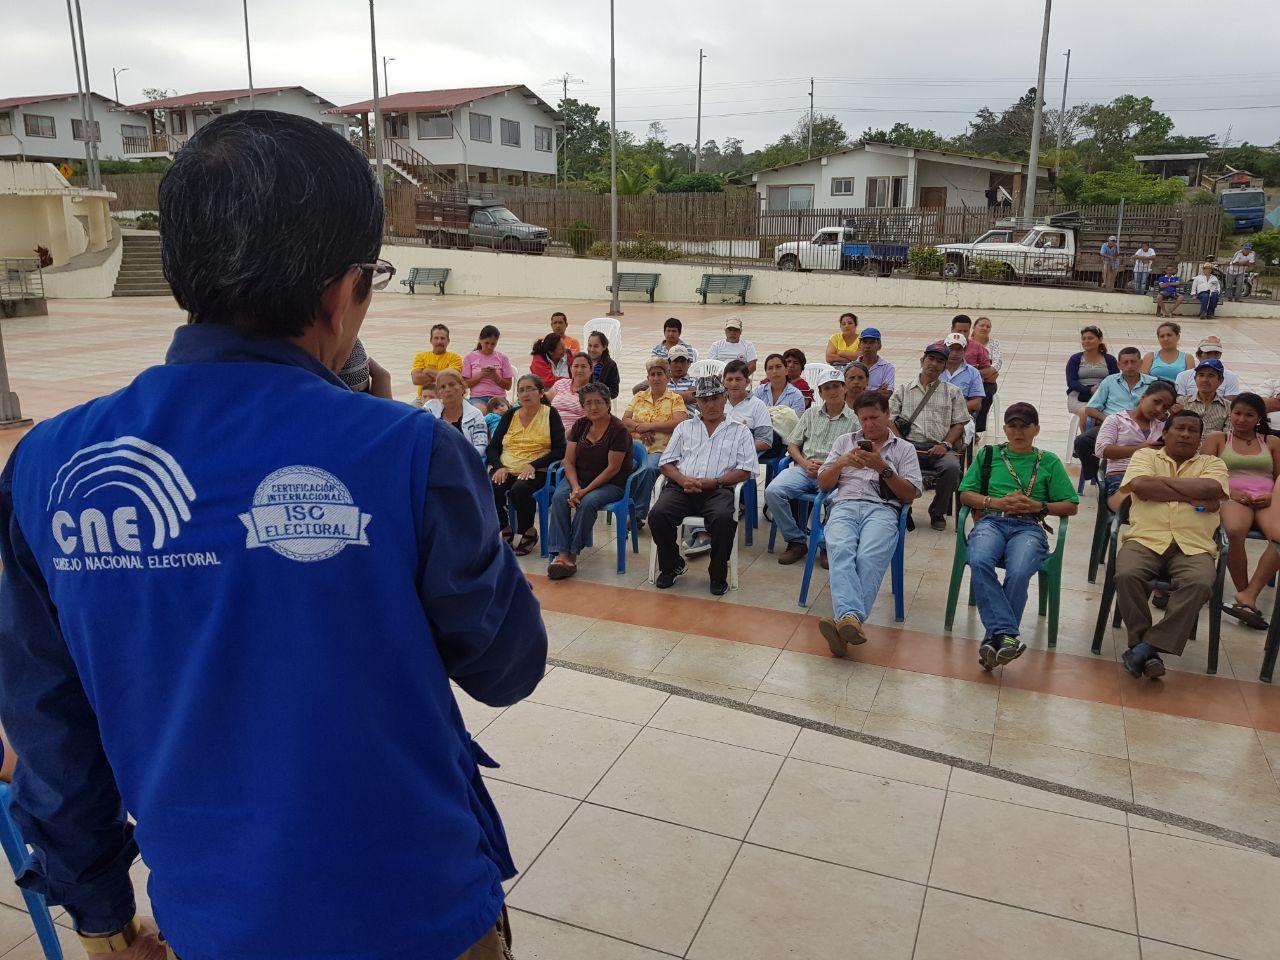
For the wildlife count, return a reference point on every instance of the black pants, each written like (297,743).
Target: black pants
(980,420)
(948,472)
(778,448)
(716,509)
(1085,442)
(520,494)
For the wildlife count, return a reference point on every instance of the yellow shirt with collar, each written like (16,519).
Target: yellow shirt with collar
(430,360)
(1155,524)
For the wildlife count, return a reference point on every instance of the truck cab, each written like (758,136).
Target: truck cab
(1247,206)
(822,252)
(1045,251)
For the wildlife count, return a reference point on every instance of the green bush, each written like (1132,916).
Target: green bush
(924,261)
(580,235)
(990,269)
(1110,186)
(1203,198)
(147,221)
(693,183)
(643,247)
(1266,244)
(1228,226)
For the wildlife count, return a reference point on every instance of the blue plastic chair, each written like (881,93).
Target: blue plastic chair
(625,511)
(542,499)
(897,565)
(16,851)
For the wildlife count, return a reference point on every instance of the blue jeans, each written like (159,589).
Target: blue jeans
(1208,302)
(861,536)
(1112,482)
(1141,278)
(780,494)
(565,535)
(1021,546)
(645,476)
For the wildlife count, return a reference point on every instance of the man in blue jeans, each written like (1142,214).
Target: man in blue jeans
(1011,487)
(875,474)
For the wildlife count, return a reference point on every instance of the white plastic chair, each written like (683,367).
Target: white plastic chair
(811,371)
(612,330)
(706,368)
(1072,429)
(697,522)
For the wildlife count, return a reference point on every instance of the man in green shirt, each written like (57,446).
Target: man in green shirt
(1022,486)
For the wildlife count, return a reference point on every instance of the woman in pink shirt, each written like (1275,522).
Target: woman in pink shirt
(564,395)
(487,372)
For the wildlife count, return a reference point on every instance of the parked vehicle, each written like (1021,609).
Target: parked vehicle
(1046,251)
(838,248)
(466,221)
(1247,206)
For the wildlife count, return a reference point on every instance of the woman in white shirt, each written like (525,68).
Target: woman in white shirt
(449,405)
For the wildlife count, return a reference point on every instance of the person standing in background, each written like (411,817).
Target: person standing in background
(1110,252)
(1238,269)
(1143,260)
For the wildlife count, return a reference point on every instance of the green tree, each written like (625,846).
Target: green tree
(1109,186)
(904,135)
(586,143)
(693,183)
(1004,134)
(1124,126)
(829,136)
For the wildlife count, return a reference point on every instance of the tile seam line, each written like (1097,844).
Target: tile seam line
(1255,844)
(576,926)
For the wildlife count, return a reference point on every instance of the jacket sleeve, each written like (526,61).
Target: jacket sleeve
(65,801)
(486,622)
(611,380)
(1073,377)
(557,443)
(493,452)
(1113,365)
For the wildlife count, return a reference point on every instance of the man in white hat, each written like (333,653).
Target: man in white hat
(733,347)
(960,373)
(1110,253)
(1210,348)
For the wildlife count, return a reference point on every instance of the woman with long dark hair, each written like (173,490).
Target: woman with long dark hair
(1088,368)
(486,372)
(603,368)
(549,361)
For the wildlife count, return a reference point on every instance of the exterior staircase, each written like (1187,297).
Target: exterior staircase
(140,272)
(406,162)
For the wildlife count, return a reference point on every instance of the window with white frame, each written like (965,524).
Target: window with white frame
(38,125)
(201,117)
(886,191)
(339,128)
(78,130)
(434,127)
(510,133)
(133,131)
(842,186)
(6,124)
(177,122)
(481,127)
(396,126)
(542,139)
(795,196)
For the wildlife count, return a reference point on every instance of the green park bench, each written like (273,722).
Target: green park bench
(725,283)
(637,283)
(429,276)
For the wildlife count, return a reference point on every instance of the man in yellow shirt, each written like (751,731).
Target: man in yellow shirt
(426,365)
(1173,522)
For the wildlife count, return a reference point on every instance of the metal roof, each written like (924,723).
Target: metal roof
(440,100)
(935,155)
(1172,156)
(46,98)
(204,97)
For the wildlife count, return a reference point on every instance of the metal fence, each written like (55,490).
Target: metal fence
(21,279)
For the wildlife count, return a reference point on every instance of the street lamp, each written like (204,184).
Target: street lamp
(615,308)
(386,86)
(115,81)
(248,58)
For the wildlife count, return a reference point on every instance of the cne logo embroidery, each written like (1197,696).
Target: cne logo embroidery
(304,514)
(99,493)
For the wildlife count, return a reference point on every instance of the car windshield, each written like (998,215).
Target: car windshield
(503,215)
(1237,201)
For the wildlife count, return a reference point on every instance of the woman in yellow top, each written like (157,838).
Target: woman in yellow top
(651,417)
(527,441)
(426,365)
(842,348)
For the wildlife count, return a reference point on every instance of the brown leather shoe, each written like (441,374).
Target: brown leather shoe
(794,553)
(822,558)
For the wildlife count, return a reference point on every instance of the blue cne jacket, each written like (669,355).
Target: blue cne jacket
(233,596)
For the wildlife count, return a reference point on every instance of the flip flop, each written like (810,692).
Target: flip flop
(1249,615)
(561,569)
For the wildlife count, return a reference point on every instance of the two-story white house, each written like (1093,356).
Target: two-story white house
(50,128)
(886,175)
(478,135)
(172,120)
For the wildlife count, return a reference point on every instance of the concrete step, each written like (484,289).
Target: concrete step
(121,288)
(142,293)
(134,270)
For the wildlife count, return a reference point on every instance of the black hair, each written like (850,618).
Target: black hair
(1129,352)
(440,326)
(583,354)
(737,366)
(1175,327)
(594,387)
(262,211)
(872,398)
(1181,414)
(795,353)
(544,346)
(560,313)
(1256,404)
(604,342)
(960,318)
(856,365)
(775,356)
(1161,386)
(487,331)
(852,316)
(534,378)
(673,322)
(1097,332)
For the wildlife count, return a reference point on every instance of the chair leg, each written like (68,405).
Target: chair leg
(1104,605)
(1273,643)
(815,537)
(621,536)
(1215,613)
(953,593)
(1041,583)
(1100,527)
(899,601)
(635,528)
(16,852)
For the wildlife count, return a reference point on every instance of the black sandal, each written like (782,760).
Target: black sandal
(1247,614)
(526,543)
(506,533)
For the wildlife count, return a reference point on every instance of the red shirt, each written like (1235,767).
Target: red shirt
(804,388)
(541,367)
(975,354)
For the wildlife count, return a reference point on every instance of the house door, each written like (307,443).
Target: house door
(933,196)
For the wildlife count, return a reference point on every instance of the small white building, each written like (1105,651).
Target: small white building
(885,175)
(483,135)
(49,128)
(170,122)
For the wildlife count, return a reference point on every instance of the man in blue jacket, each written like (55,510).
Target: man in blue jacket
(235,592)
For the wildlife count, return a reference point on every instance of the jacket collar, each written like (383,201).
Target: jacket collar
(219,343)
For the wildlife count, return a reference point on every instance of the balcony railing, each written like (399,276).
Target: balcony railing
(153,143)
(21,279)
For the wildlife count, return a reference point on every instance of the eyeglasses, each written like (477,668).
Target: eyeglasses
(382,272)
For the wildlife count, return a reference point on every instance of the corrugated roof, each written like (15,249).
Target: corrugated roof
(437,99)
(215,96)
(1040,171)
(1172,156)
(46,98)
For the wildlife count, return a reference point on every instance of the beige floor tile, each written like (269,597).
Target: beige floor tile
(714,722)
(1206,897)
(587,693)
(954,927)
(775,905)
(15,927)
(737,694)
(1056,864)
(620,646)
(563,629)
(804,709)
(628,877)
(1201,746)
(537,938)
(1137,822)
(530,818)
(30,949)
(555,750)
(1061,722)
(1248,806)
(806,677)
(475,715)
(1108,776)
(1157,950)
(993,788)
(864,758)
(950,741)
(719,661)
(1271,747)
(697,783)
(868,822)
(919,696)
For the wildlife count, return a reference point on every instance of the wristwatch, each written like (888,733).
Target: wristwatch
(116,942)
(887,473)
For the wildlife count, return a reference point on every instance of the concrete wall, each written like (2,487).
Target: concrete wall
(966,186)
(39,208)
(89,276)
(480,273)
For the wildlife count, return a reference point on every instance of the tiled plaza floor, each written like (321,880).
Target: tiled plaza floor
(650,822)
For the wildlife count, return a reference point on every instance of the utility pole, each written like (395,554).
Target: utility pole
(615,308)
(84,115)
(386,84)
(811,118)
(248,57)
(95,172)
(697,137)
(115,81)
(562,162)
(1062,117)
(1033,162)
(377,107)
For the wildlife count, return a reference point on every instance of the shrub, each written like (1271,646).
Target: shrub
(147,221)
(579,235)
(1228,226)
(693,183)
(1266,243)
(990,269)
(643,247)
(924,261)
(1203,198)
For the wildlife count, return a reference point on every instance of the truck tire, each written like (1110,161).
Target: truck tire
(790,263)
(953,269)
(871,267)
(510,245)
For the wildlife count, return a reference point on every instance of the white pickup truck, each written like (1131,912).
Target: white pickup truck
(838,248)
(1043,252)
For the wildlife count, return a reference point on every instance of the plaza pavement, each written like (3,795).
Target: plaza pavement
(698,777)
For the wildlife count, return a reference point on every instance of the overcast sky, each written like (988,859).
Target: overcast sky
(931,63)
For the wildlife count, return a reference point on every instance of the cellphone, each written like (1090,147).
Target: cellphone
(864,445)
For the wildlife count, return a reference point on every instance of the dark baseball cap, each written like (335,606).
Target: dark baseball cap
(937,350)
(1210,363)
(1022,411)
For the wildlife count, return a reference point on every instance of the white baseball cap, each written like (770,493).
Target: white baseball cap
(952,339)
(733,323)
(829,375)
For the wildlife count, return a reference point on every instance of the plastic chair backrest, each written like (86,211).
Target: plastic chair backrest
(612,330)
(811,371)
(706,368)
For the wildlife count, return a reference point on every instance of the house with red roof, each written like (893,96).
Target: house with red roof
(501,135)
(49,127)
